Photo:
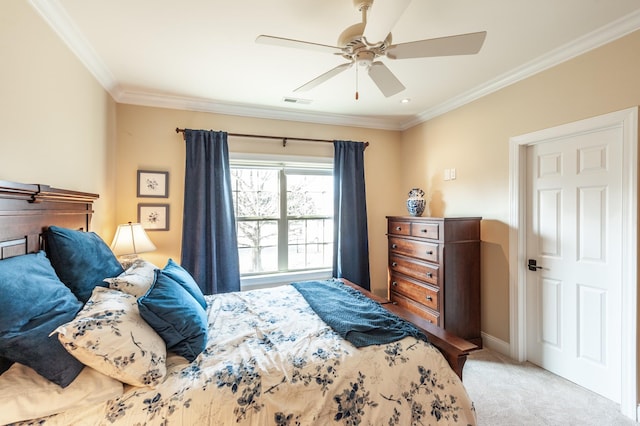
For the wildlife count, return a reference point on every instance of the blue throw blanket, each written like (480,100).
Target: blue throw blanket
(353,315)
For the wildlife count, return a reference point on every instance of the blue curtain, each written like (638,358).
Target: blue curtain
(209,243)
(350,237)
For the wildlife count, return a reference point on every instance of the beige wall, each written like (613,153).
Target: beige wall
(58,123)
(59,128)
(474,139)
(147,141)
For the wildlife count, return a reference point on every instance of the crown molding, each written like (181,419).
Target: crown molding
(207,105)
(57,18)
(54,14)
(606,34)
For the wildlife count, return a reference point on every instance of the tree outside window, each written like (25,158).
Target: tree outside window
(284,218)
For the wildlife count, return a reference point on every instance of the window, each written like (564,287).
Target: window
(284,216)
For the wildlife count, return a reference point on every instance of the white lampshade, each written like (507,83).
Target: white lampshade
(131,239)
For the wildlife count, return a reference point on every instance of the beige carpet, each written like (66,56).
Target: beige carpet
(508,393)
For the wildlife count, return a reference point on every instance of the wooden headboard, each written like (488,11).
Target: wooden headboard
(26,210)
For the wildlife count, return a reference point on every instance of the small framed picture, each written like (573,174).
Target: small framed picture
(153,184)
(154,217)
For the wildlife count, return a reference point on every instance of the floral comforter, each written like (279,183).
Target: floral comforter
(270,360)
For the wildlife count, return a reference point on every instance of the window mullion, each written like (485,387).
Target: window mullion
(283,233)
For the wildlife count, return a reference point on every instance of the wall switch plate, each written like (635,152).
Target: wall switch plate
(452,174)
(447,174)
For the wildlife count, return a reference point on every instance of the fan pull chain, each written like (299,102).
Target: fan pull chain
(357,96)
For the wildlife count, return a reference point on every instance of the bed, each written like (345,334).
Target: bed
(259,357)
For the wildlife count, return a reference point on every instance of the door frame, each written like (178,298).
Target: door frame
(627,120)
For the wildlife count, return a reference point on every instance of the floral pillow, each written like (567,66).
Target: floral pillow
(136,280)
(109,335)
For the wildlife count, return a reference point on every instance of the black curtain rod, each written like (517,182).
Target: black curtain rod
(282,138)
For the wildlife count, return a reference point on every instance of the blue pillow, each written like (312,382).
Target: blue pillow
(175,315)
(184,278)
(33,303)
(81,260)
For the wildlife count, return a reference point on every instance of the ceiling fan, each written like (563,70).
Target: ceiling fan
(365,42)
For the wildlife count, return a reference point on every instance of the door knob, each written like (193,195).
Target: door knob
(533,265)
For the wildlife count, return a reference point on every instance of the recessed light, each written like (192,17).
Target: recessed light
(405,101)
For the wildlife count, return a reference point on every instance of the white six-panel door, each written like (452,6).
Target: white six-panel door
(569,322)
(574,233)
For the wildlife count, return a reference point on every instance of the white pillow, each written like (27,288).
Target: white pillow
(109,334)
(24,394)
(136,280)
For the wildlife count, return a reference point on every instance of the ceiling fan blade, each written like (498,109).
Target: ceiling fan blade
(324,77)
(287,42)
(463,44)
(382,76)
(381,18)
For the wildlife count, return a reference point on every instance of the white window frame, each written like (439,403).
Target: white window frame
(255,281)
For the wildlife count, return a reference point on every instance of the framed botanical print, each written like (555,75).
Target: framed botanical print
(153,184)
(154,217)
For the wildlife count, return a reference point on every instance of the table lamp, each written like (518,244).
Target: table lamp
(130,239)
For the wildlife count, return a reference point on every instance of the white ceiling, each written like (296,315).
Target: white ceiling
(202,54)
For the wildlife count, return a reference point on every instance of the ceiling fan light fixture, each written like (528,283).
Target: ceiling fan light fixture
(365,58)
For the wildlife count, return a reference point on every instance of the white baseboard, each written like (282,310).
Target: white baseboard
(495,344)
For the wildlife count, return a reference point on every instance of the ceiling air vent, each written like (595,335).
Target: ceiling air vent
(297,101)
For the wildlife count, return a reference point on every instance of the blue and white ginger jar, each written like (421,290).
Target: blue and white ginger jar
(416,202)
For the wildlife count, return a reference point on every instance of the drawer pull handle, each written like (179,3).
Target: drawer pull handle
(394,246)
(430,322)
(429,298)
(394,264)
(424,230)
(430,252)
(395,284)
(429,275)
(398,228)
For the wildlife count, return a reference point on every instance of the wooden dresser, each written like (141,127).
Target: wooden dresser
(434,271)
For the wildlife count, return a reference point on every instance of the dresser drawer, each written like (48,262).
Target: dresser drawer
(418,249)
(416,308)
(416,291)
(399,228)
(414,268)
(425,230)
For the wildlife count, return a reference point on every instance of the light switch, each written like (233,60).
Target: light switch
(452,174)
(447,174)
